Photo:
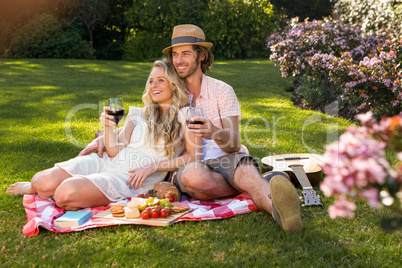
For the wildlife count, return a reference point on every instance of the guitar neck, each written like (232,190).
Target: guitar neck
(301,176)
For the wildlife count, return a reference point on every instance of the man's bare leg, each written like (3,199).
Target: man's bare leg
(278,193)
(247,178)
(43,183)
(77,193)
(205,184)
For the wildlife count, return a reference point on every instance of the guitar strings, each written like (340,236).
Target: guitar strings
(301,174)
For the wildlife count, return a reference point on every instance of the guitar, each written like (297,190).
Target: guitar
(304,168)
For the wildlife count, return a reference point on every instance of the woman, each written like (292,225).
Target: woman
(152,139)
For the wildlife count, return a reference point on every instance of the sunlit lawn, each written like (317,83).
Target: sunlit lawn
(49,109)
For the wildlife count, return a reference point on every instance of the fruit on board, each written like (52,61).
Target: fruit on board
(144,215)
(154,203)
(149,200)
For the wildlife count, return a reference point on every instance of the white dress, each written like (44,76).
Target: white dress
(110,175)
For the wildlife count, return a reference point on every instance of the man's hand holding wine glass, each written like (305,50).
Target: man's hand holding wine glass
(202,127)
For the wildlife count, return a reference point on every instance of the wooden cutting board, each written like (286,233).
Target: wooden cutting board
(150,222)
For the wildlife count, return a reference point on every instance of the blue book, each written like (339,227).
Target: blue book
(72,218)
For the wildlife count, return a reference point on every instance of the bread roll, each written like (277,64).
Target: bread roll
(162,189)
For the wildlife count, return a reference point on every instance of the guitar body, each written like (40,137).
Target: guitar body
(303,170)
(282,162)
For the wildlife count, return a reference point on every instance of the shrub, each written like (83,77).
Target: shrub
(316,89)
(372,15)
(152,23)
(237,28)
(338,56)
(372,84)
(46,37)
(292,46)
(144,46)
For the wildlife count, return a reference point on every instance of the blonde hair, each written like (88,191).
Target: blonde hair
(166,126)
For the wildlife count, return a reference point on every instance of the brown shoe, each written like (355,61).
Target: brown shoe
(270,174)
(285,204)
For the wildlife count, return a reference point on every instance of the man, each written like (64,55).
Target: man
(226,170)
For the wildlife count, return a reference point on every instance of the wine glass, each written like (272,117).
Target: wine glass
(194,112)
(117,110)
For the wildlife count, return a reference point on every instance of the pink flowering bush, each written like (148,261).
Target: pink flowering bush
(292,46)
(372,84)
(356,166)
(363,72)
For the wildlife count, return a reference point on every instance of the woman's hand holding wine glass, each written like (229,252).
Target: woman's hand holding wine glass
(112,115)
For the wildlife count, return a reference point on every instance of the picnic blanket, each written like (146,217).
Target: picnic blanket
(42,212)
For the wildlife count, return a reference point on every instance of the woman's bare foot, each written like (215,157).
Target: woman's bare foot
(21,188)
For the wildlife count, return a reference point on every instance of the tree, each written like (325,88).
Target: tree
(92,13)
(313,9)
(110,36)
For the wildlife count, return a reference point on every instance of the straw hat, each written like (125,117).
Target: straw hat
(187,34)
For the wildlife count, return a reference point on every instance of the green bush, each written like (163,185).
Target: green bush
(152,23)
(144,46)
(238,28)
(311,90)
(139,29)
(46,37)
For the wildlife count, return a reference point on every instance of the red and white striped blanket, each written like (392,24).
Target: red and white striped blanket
(42,212)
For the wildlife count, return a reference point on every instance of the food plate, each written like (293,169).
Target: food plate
(150,222)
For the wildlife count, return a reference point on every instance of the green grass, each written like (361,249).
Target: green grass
(36,97)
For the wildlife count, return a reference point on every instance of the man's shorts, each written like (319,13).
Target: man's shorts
(224,165)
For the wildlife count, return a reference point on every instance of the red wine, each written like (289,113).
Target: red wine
(118,114)
(195,122)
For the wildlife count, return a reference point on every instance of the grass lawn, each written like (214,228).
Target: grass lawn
(49,109)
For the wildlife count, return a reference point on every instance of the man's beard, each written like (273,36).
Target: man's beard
(191,70)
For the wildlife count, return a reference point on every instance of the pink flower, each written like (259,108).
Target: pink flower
(357,163)
(371,195)
(387,82)
(366,119)
(342,208)
(376,172)
(333,185)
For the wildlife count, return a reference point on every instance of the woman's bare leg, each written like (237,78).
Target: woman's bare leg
(43,183)
(20,188)
(76,193)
